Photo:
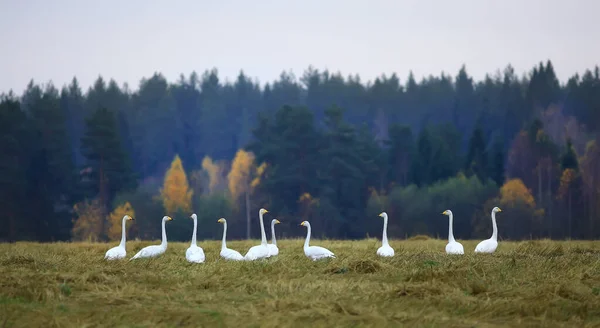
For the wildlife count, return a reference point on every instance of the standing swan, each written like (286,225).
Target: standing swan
(155,250)
(453,247)
(228,253)
(259,251)
(194,253)
(385,250)
(273,250)
(118,252)
(489,245)
(314,252)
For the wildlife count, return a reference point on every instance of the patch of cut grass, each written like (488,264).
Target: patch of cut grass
(526,284)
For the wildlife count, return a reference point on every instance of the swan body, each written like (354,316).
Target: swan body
(118,252)
(259,251)
(385,250)
(194,253)
(314,252)
(273,250)
(154,250)
(453,247)
(490,245)
(228,253)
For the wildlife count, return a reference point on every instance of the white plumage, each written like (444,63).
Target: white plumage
(314,252)
(119,252)
(155,250)
(385,250)
(194,253)
(490,245)
(453,247)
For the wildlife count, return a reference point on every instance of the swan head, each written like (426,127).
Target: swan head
(383,214)
(275,221)
(262,211)
(304,223)
(128,218)
(194,216)
(167,218)
(447,212)
(221,220)
(496,209)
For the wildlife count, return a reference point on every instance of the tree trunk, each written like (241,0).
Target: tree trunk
(570,217)
(247,194)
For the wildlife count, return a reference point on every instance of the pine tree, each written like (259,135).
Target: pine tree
(476,161)
(108,169)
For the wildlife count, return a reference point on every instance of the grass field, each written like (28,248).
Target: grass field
(532,283)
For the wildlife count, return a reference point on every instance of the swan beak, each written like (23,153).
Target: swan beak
(381,214)
(169,218)
(220,220)
(444,212)
(302,223)
(277,221)
(132,219)
(499,210)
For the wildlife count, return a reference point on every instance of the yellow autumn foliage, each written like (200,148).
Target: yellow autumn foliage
(88,225)
(514,191)
(176,193)
(240,174)
(260,170)
(115,221)
(214,172)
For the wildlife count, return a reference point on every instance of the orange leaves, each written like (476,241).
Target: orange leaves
(514,191)
(566,180)
(115,221)
(176,193)
(241,173)
(88,225)
(214,170)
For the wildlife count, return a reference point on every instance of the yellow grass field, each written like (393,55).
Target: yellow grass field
(524,284)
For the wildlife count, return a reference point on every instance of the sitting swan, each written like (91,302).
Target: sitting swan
(118,252)
(385,250)
(228,253)
(453,247)
(490,245)
(259,251)
(314,252)
(194,254)
(155,250)
(273,250)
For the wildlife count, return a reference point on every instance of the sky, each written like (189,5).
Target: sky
(129,40)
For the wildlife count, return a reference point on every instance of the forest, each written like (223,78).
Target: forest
(324,147)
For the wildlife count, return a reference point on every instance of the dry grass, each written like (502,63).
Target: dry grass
(533,283)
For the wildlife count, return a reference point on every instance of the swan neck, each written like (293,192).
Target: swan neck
(273,233)
(194,233)
(164,234)
(223,243)
(263,235)
(122,244)
(450,231)
(494,227)
(384,239)
(307,235)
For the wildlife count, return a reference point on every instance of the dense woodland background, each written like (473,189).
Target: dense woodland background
(327,148)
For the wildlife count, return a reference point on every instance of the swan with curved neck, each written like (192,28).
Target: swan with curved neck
(260,251)
(228,253)
(194,254)
(314,252)
(119,252)
(453,247)
(155,250)
(273,250)
(385,250)
(490,245)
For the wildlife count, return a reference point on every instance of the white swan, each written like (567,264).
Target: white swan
(453,247)
(194,253)
(490,245)
(273,250)
(155,250)
(228,253)
(385,250)
(118,252)
(259,251)
(314,252)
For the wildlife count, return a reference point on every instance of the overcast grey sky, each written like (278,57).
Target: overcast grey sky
(130,39)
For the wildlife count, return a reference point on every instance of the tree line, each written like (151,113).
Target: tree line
(326,148)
